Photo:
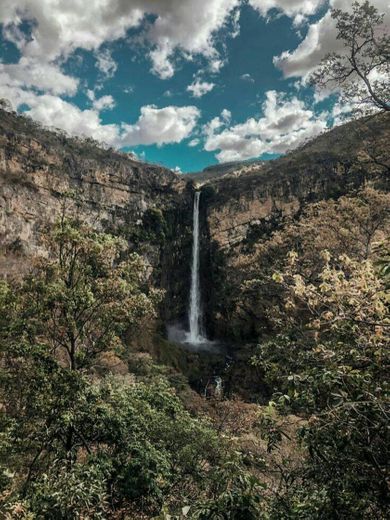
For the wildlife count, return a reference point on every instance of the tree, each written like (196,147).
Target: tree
(75,445)
(351,225)
(81,298)
(331,364)
(361,71)
(74,304)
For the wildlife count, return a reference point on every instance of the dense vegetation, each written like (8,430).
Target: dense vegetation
(91,427)
(84,439)
(76,443)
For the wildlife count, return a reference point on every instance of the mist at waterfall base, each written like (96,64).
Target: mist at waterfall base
(195,338)
(178,334)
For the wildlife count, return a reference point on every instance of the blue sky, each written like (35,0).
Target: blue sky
(184,83)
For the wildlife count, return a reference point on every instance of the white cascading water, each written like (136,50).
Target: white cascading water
(195,314)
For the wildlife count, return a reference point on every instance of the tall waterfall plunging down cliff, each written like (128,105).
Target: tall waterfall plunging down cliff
(195,312)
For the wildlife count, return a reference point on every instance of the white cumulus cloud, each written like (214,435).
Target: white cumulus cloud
(189,26)
(105,63)
(319,41)
(160,125)
(247,77)
(31,73)
(52,111)
(106,102)
(58,28)
(285,124)
(290,8)
(154,126)
(200,88)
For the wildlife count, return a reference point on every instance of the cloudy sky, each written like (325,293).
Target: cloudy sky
(186,83)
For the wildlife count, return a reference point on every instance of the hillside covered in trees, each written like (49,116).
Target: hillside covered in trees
(99,423)
(205,347)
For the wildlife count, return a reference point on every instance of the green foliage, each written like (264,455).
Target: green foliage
(153,229)
(237,496)
(70,493)
(351,225)
(81,299)
(74,445)
(134,446)
(77,446)
(331,365)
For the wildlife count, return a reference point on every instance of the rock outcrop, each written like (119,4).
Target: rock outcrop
(334,164)
(248,203)
(43,173)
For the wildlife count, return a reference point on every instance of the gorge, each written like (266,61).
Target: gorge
(175,225)
(282,353)
(194,260)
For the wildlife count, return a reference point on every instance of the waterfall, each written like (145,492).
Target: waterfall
(195,312)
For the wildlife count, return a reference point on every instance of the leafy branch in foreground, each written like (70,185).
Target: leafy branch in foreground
(362,70)
(331,364)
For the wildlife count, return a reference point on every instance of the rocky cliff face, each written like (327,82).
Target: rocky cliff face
(43,173)
(332,165)
(246,205)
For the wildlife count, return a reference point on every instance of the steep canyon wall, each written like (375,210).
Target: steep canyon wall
(43,173)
